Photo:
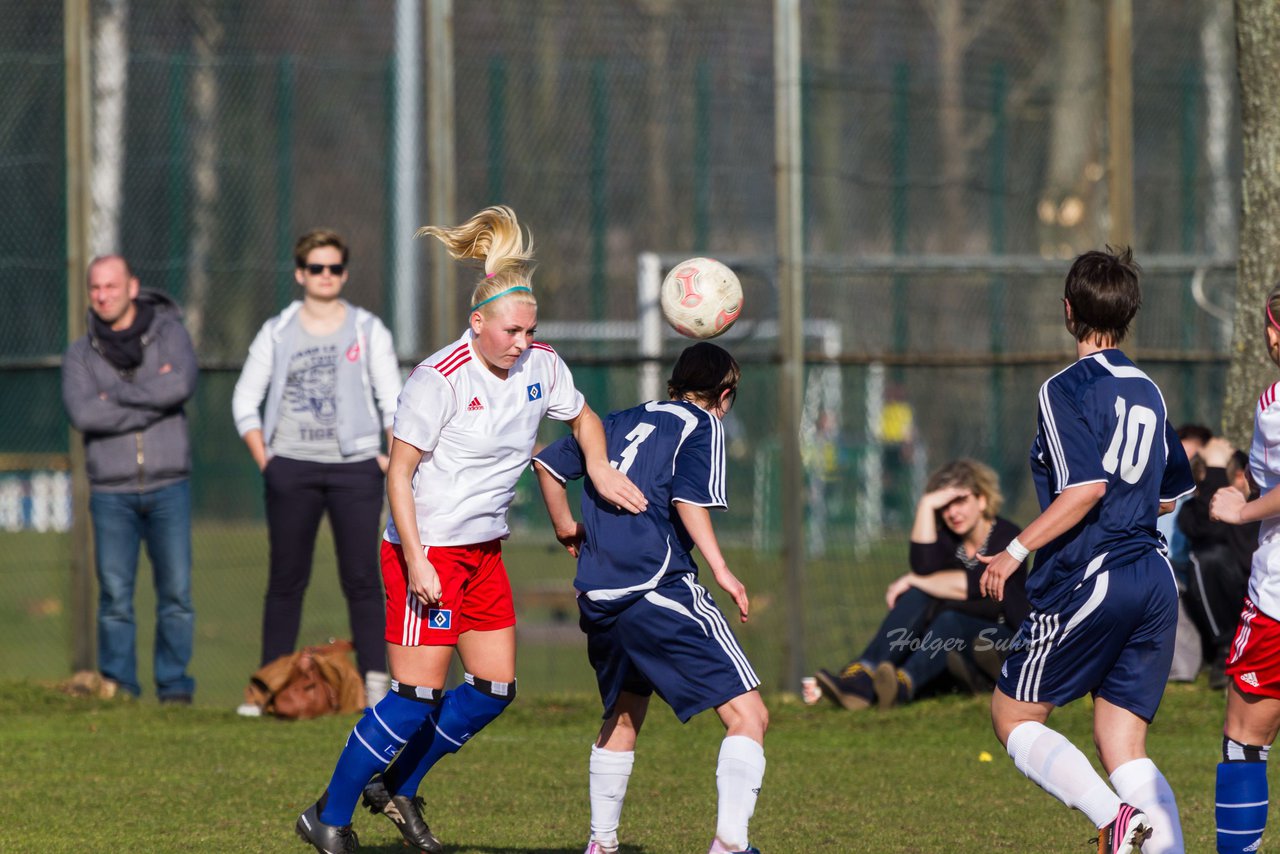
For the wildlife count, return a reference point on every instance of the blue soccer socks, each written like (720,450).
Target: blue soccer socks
(463,712)
(1241,796)
(379,734)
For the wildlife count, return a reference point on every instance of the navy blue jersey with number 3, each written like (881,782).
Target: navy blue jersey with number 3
(673,451)
(1103,420)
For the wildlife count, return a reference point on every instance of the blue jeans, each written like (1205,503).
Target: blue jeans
(121,521)
(958,631)
(909,618)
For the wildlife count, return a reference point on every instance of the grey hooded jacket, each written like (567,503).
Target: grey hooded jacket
(134,426)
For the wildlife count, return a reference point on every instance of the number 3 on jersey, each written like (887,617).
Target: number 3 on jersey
(1130,448)
(634,438)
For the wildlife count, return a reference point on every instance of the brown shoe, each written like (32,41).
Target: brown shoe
(851,689)
(893,687)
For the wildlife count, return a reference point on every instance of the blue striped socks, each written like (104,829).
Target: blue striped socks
(1241,797)
(463,712)
(378,736)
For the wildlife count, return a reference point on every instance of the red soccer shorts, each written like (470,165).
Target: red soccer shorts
(476,595)
(1254,661)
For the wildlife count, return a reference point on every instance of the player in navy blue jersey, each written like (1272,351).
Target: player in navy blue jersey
(1106,462)
(651,627)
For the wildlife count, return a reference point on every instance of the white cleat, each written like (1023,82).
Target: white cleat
(1126,833)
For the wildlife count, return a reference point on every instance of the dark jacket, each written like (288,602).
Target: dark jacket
(1203,533)
(135,430)
(945,553)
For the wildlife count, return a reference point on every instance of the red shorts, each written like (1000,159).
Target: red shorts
(1254,661)
(476,595)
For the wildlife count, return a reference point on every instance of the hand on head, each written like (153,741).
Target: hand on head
(1216,452)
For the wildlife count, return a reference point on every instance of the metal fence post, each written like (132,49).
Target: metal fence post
(76,24)
(790,188)
(441,165)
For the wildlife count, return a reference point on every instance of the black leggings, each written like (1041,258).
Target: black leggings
(297,494)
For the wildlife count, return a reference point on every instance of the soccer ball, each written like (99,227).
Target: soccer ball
(701,298)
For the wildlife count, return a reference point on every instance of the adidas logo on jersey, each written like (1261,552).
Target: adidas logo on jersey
(1251,678)
(474,405)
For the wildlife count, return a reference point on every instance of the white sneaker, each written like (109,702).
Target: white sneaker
(249,710)
(594,847)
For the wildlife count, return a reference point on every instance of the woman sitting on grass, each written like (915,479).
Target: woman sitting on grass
(936,611)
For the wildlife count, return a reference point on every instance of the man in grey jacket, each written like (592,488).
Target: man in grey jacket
(124,385)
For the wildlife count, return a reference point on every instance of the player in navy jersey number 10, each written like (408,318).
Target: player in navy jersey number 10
(651,627)
(1253,663)
(1106,462)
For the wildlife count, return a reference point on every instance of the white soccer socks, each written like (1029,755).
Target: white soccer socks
(1140,783)
(609,772)
(1057,766)
(739,774)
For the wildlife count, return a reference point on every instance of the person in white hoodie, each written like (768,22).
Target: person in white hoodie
(328,374)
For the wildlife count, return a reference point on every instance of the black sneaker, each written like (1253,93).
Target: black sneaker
(968,674)
(325,838)
(405,812)
(175,700)
(989,661)
(851,689)
(1218,670)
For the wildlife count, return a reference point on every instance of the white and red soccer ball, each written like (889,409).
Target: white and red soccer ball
(701,298)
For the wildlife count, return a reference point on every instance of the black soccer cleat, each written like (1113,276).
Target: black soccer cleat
(404,812)
(325,838)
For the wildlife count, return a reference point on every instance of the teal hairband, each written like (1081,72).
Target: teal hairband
(502,294)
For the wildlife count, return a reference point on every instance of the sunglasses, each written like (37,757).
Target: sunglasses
(317,269)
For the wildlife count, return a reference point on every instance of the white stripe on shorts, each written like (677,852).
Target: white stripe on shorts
(1091,604)
(1043,631)
(410,635)
(1246,629)
(722,633)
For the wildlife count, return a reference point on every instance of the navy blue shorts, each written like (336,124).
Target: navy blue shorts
(1113,638)
(673,641)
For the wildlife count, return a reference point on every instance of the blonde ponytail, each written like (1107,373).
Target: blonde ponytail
(494,237)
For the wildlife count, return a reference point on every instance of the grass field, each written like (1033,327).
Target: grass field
(843,603)
(88,775)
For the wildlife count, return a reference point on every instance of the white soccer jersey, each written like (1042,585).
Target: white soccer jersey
(1264,465)
(476,433)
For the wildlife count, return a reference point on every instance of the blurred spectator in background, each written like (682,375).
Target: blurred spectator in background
(328,372)
(124,385)
(896,433)
(937,608)
(1188,651)
(1220,554)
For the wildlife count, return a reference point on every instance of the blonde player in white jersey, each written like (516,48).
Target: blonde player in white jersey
(464,430)
(1253,663)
